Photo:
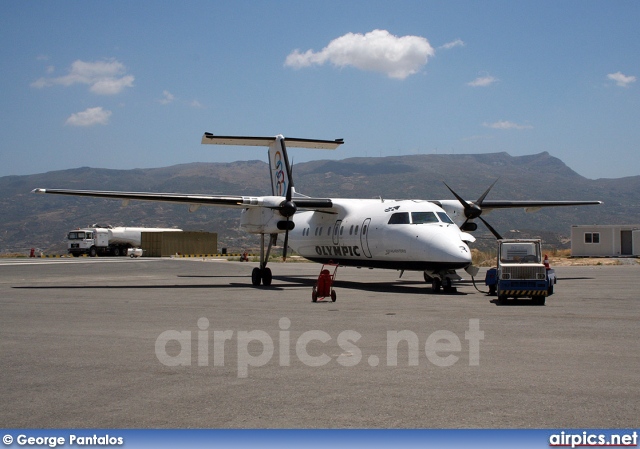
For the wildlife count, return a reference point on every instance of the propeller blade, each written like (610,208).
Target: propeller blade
(458,197)
(286,245)
(483,196)
(493,231)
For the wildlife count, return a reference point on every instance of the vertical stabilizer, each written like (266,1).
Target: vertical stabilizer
(279,167)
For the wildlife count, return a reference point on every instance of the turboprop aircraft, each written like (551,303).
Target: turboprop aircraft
(421,235)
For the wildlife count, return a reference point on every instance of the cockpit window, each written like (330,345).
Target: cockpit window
(399,218)
(445,218)
(423,217)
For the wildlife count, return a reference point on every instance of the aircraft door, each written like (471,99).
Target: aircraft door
(364,238)
(626,243)
(336,232)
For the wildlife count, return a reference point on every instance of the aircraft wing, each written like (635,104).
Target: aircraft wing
(231,201)
(532,206)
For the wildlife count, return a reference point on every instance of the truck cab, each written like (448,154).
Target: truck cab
(86,241)
(520,272)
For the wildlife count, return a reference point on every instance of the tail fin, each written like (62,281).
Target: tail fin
(279,166)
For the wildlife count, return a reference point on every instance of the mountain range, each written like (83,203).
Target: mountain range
(42,221)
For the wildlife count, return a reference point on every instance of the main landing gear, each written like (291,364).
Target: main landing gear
(263,274)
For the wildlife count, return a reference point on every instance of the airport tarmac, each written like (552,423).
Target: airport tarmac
(189,343)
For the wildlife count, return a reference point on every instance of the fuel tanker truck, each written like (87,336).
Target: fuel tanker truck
(107,241)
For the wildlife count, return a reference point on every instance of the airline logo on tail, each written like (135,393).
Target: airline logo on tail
(279,175)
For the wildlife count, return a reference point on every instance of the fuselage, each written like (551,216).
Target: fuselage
(403,235)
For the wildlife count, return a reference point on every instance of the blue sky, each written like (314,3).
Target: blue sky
(135,84)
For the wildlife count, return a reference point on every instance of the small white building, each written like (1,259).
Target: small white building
(605,240)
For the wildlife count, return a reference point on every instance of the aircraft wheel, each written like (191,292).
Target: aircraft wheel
(436,284)
(333,295)
(266,277)
(447,285)
(256,276)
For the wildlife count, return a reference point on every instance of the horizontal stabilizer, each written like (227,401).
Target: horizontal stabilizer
(209,138)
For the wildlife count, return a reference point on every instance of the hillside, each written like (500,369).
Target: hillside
(29,220)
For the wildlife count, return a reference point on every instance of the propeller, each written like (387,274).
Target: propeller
(474,210)
(287,208)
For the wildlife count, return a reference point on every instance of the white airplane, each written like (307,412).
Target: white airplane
(420,235)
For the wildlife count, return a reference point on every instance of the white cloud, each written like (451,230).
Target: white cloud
(89,117)
(504,124)
(376,51)
(104,77)
(483,81)
(196,104)
(621,80)
(452,44)
(167,97)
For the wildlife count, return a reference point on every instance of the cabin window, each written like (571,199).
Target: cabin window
(351,230)
(329,231)
(364,230)
(423,217)
(356,231)
(341,229)
(399,218)
(591,237)
(445,218)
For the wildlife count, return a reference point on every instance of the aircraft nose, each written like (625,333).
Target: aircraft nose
(448,247)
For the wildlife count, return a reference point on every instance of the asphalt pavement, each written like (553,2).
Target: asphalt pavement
(189,343)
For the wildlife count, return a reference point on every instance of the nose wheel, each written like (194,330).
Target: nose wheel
(446,284)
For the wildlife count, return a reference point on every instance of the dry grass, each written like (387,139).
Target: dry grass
(557,258)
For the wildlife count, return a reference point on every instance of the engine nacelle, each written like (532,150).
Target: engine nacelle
(262,220)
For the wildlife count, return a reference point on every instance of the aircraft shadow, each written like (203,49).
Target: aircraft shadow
(405,287)
(142,287)
(292,281)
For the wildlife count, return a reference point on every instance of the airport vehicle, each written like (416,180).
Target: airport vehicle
(135,252)
(324,286)
(431,236)
(521,272)
(106,240)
